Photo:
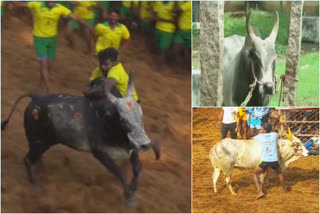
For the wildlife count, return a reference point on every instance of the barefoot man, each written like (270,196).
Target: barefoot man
(268,142)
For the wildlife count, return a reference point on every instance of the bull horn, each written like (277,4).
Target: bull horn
(250,31)
(156,149)
(108,93)
(274,32)
(130,89)
(289,135)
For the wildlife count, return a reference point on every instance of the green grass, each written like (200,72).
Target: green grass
(308,84)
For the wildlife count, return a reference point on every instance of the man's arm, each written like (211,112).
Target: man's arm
(221,116)
(81,22)
(94,92)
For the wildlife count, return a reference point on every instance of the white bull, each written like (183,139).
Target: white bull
(231,153)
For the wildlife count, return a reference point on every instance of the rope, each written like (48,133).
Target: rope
(251,86)
(282,79)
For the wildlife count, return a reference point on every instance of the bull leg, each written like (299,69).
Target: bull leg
(228,178)
(116,170)
(35,153)
(136,168)
(215,177)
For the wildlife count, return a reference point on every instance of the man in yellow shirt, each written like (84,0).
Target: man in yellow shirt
(45,29)
(83,9)
(182,38)
(111,34)
(113,74)
(165,27)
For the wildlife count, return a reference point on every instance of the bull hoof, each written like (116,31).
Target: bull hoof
(234,194)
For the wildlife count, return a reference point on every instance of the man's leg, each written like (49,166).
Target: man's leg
(70,31)
(257,171)
(224,131)
(281,178)
(233,133)
(244,128)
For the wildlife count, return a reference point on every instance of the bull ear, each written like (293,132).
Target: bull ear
(130,88)
(274,32)
(289,135)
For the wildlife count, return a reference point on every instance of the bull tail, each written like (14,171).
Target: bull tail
(212,154)
(5,123)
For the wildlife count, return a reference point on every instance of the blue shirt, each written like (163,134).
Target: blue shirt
(268,142)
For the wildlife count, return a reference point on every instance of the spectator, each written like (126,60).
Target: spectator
(227,117)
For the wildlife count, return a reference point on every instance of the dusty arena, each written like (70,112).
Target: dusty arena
(302,178)
(73,181)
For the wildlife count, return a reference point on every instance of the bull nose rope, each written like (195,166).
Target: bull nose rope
(251,86)
(282,79)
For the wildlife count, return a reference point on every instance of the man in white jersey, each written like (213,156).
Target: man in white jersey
(227,117)
(268,142)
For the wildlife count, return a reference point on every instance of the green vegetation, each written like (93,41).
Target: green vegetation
(308,85)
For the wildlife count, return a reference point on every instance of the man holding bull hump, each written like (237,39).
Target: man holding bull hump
(268,142)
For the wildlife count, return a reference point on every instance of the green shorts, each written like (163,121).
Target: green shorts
(124,10)
(96,14)
(76,25)
(147,26)
(183,37)
(163,39)
(45,47)
(105,5)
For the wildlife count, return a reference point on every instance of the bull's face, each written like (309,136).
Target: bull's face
(262,54)
(298,147)
(131,118)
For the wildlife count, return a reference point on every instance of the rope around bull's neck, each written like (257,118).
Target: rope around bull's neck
(251,86)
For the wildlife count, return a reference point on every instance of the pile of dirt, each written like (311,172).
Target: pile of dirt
(302,177)
(72,181)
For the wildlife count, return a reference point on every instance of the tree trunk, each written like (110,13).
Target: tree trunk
(211,52)
(293,55)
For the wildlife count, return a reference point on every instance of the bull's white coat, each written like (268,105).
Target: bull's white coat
(232,45)
(231,153)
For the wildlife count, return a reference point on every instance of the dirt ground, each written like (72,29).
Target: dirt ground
(73,181)
(302,177)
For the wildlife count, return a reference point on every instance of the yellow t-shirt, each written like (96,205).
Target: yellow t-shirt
(83,10)
(119,75)
(110,38)
(185,17)
(145,13)
(45,19)
(128,4)
(165,11)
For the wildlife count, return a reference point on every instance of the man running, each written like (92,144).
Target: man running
(112,34)
(45,29)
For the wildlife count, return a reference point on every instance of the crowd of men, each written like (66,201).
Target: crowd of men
(107,26)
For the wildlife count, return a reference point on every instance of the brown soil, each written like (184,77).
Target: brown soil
(302,177)
(72,181)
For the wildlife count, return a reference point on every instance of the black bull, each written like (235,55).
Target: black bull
(78,123)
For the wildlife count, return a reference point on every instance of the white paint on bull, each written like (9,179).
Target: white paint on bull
(231,153)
